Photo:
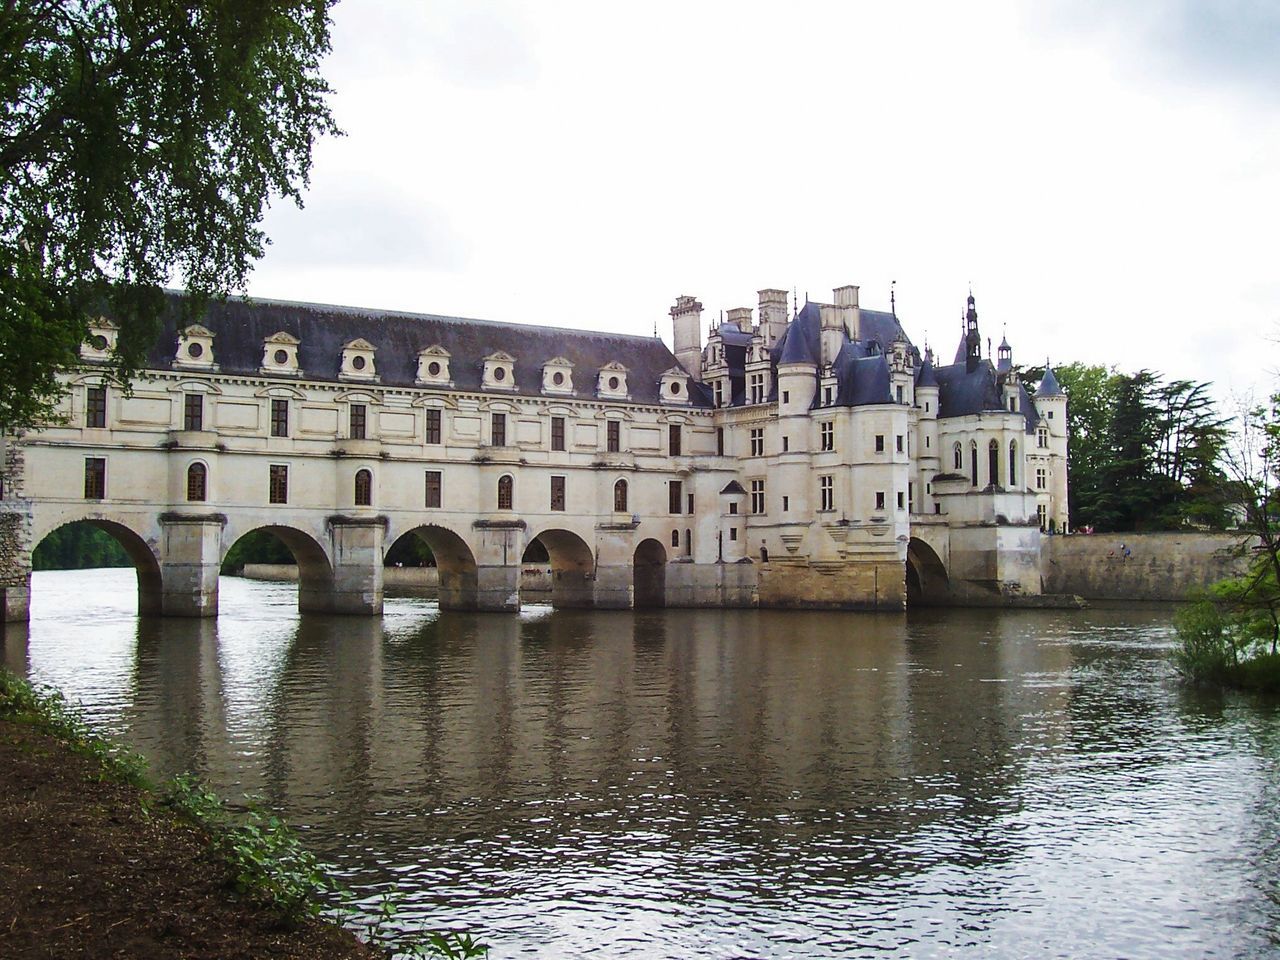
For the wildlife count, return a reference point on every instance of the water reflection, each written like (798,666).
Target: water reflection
(721,783)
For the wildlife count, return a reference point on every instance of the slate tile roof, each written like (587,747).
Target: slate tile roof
(240,325)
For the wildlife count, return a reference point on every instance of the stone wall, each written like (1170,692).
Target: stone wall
(15,536)
(1158,566)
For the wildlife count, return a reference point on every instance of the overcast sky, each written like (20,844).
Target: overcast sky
(1106,173)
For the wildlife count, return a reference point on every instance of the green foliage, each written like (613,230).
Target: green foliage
(140,142)
(79,546)
(1143,454)
(260,546)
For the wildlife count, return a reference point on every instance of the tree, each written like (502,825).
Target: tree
(140,143)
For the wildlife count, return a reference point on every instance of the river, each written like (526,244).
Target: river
(710,783)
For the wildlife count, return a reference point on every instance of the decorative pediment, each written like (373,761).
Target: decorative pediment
(499,372)
(433,366)
(357,360)
(101,341)
(195,349)
(612,382)
(280,354)
(673,388)
(557,376)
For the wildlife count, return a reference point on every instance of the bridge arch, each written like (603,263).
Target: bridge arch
(315,570)
(650,574)
(145,561)
(927,581)
(455,561)
(572,565)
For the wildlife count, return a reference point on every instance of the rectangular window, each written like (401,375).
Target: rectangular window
(719,441)
(557,433)
(433,434)
(902,500)
(900,400)
(826,396)
(279,420)
(826,493)
(1042,512)
(95,407)
(193,411)
(786,444)
(879,499)
(675,496)
(674,439)
(95,478)
(689,500)
(911,496)
(557,493)
(879,443)
(499,430)
(278,488)
(900,442)
(828,435)
(733,533)
(613,436)
(719,390)
(757,388)
(786,504)
(757,441)
(435,488)
(359,421)
(1040,478)
(786,396)
(757,496)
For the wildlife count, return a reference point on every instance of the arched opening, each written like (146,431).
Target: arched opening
(973,463)
(456,579)
(364,488)
(267,552)
(620,497)
(572,568)
(506,492)
(97,544)
(993,463)
(535,573)
(927,582)
(650,575)
(1013,464)
(197,483)
(957,457)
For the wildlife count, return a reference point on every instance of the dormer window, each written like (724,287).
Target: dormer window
(557,376)
(357,361)
(673,388)
(433,366)
(195,348)
(612,382)
(101,341)
(280,354)
(499,372)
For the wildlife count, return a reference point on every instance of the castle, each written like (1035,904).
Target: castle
(811,457)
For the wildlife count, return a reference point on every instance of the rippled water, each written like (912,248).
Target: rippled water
(716,783)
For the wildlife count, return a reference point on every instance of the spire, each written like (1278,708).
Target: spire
(972,340)
(1048,383)
(893,302)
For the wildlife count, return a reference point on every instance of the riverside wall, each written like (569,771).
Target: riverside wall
(535,581)
(1157,566)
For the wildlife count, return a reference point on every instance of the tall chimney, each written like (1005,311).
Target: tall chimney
(686,322)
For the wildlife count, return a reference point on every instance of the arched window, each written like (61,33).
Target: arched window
(620,496)
(958,452)
(973,462)
(993,463)
(675,538)
(1013,463)
(197,483)
(364,488)
(504,492)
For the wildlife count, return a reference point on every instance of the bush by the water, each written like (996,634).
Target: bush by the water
(1225,647)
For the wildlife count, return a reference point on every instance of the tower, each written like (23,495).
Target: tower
(686,322)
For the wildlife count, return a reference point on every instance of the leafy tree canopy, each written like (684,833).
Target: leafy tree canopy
(140,143)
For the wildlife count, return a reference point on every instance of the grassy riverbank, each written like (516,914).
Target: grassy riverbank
(97,860)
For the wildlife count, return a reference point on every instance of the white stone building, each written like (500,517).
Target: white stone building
(811,459)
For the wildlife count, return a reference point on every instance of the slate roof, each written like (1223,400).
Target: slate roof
(962,393)
(925,376)
(1049,385)
(240,325)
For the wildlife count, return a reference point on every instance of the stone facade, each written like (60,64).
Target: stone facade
(789,461)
